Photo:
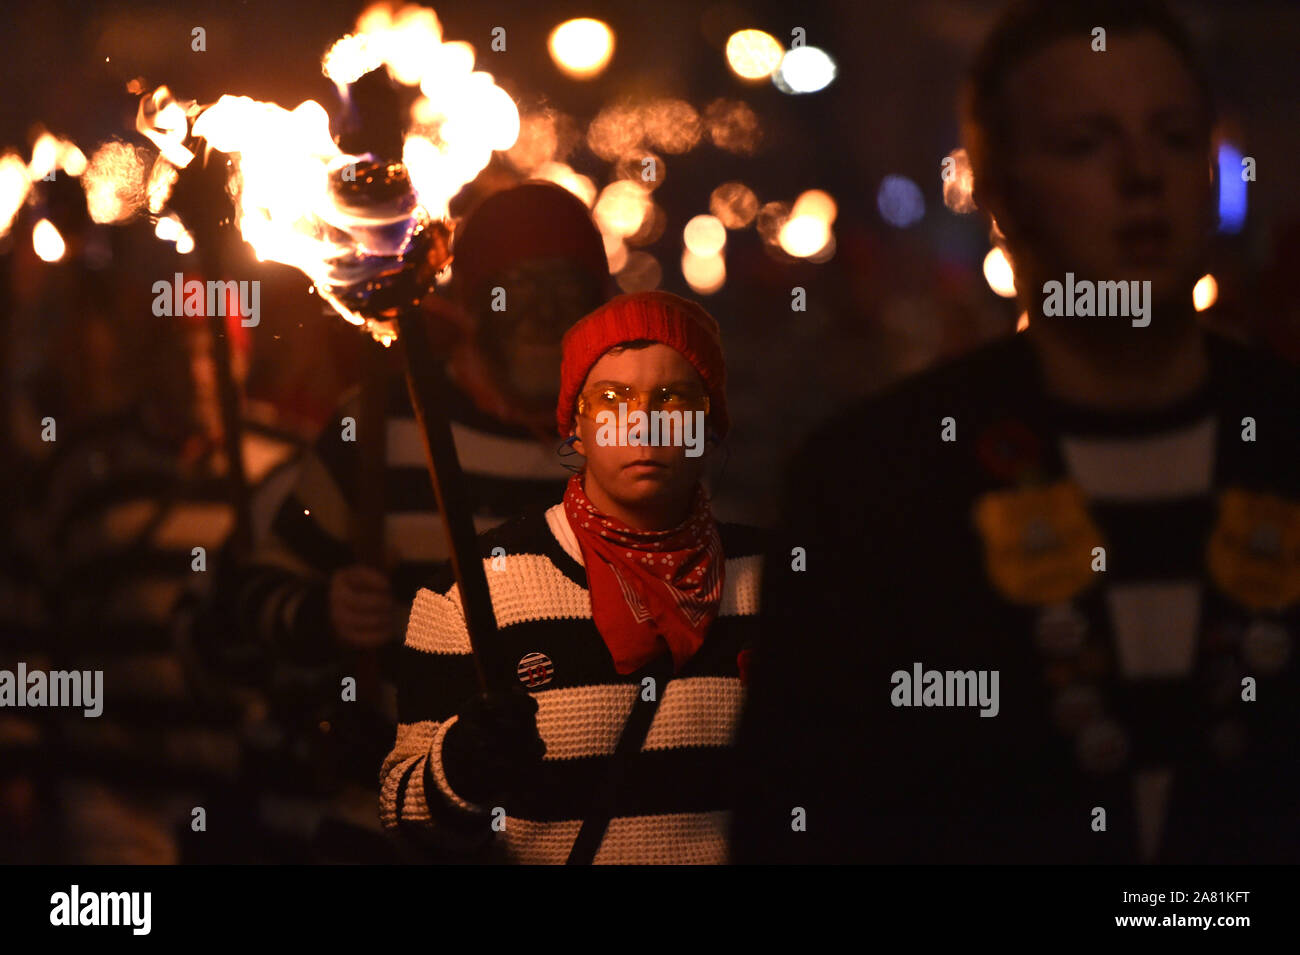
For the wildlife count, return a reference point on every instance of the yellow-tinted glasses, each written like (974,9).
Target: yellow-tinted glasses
(608,395)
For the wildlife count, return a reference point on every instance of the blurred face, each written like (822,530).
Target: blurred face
(648,487)
(522,342)
(1108,171)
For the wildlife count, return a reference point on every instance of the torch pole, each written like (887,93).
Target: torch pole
(202,200)
(372,441)
(231,418)
(429,388)
(368,539)
(396,295)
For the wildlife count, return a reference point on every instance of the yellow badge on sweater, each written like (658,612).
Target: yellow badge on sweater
(1038,542)
(1254,552)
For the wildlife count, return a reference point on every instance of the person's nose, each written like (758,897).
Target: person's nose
(1140,171)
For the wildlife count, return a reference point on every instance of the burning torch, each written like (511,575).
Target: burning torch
(393,250)
(369,232)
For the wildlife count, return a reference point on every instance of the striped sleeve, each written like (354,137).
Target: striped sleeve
(672,803)
(282,593)
(435,677)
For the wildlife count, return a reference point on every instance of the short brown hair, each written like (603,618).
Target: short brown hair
(1027,26)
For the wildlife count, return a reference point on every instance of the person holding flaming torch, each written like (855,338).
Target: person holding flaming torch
(624,615)
(538,245)
(359,532)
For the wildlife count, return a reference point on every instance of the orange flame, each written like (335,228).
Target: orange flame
(165,122)
(282,160)
(959,183)
(461,117)
(14,186)
(114,182)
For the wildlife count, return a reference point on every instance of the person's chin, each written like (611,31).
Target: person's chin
(642,483)
(1163,276)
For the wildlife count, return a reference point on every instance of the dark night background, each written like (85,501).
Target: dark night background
(890,301)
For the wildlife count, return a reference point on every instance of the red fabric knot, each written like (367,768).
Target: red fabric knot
(639,609)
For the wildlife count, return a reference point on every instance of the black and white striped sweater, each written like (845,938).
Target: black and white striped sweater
(1126,695)
(673,805)
(282,596)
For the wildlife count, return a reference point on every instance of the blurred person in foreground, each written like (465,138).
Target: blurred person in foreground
(1052,588)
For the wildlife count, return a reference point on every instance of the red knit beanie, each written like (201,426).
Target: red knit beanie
(659,316)
(534,219)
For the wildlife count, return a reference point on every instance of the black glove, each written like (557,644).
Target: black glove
(492,746)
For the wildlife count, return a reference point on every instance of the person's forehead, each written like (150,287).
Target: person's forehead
(1137,72)
(655,361)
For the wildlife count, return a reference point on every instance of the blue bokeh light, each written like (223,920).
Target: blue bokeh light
(900,201)
(1232,190)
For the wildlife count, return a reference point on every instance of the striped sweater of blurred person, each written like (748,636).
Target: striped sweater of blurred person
(358,533)
(126,521)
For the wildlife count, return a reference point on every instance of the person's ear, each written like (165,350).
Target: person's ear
(576,441)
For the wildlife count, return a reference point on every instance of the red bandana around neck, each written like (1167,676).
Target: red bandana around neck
(649,588)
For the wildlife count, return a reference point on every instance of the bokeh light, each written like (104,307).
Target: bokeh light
(753,54)
(771,217)
(1205,293)
(705,274)
(999,274)
(615,132)
(47,242)
(621,208)
(900,201)
(652,226)
(733,126)
(804,235)
(582,47)
(734,204)
(644,167)
(616,252)
(816,203)
(1232,190)
(805,69)
(562,174)
(544,136)
(642,273)
(672,125)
